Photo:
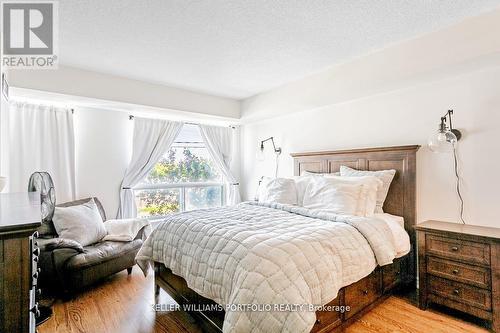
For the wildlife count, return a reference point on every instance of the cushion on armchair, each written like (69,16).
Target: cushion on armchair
(47,230)
(81,223)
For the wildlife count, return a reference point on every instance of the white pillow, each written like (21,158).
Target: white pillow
(82,223)
(386,176)
(280,190)
(301,183)
(304,179)
(368,196)
(309,173)
(332,196)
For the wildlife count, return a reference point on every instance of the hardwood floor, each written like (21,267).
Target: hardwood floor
(123,304)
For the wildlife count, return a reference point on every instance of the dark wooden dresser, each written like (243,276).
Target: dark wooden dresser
(20,216)
(459,267)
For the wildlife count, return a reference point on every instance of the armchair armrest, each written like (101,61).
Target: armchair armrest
(51,244)
(52,263)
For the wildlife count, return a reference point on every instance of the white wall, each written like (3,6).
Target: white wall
(87,84)
(103,141)
(403,117)
(396,97)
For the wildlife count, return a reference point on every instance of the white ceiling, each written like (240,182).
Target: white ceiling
(238,48)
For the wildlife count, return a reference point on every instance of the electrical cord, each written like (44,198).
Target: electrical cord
(459,192)
(277,165)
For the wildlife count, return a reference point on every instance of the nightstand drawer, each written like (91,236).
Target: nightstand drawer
(470,274)
(473,252)
(460,292)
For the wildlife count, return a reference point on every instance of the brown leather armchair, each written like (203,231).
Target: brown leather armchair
(67,267)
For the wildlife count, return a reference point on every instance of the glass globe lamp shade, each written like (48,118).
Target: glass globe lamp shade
(442,142)
(260,154)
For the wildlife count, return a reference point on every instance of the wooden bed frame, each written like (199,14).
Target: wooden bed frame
(360,296)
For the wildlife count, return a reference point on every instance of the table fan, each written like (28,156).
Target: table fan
(42,183)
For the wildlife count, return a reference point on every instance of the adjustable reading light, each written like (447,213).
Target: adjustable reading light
(260,153)
(444,141)
(446,137)
(277,152)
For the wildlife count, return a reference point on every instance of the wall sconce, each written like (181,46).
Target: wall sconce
(261,155)
(446,137)
(444,141)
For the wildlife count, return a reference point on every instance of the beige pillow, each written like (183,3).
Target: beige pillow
(386,176)
(280,190)
(309,173)
(302,181)
(81,223)
(332,196)
(368,198)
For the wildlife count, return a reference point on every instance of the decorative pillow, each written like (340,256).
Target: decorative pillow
(280,190)
(386,176)
(368,196)
(304,179)
(301,183)
(309,173)
(82,223)
(332,196)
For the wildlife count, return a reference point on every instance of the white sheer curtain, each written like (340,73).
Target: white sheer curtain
(219,142)
(152,139)
(40,138)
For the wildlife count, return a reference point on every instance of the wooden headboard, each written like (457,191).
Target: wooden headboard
(401,199)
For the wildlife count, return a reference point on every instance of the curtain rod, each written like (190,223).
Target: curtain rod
(131,117)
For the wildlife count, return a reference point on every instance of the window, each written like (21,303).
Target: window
(184,179)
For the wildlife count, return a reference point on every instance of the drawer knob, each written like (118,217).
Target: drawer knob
(365,292)
(456,291)
(455,271)
(318,321)
(454,248)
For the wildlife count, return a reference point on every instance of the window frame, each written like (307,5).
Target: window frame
(182,193)
(182,187)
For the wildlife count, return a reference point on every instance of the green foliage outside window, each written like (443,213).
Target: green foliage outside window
(187,168)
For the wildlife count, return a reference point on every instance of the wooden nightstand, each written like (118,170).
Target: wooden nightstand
(459,267)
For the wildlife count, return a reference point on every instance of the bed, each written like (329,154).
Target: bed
(360,295)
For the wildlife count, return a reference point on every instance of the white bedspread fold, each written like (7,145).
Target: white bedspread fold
(268,254)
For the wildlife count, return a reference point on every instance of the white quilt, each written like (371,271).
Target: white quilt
(256,253)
